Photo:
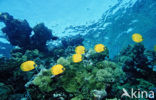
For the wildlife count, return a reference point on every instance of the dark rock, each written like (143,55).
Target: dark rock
(72,41)
(40,37)
(17,31)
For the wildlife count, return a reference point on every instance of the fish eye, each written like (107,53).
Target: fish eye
(63,68)
(34,65)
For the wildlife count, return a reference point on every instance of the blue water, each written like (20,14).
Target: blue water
(57,13)
(109,22)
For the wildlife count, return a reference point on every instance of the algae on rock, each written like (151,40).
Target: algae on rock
(43,80)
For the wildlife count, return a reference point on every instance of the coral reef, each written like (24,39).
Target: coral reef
(43,80)
(96,77)
(98,95)
(10,68)
(63,62)
(77,81)
(140,84)
(109,72)
(88,79)
(138,62)
(97,56)
(5,90)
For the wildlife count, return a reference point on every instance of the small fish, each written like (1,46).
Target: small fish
(136,37)
(28,66)
(99,48)
(80,50)
(77,58)
(57,69)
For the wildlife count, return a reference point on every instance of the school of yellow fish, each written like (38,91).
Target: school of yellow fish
(77,57)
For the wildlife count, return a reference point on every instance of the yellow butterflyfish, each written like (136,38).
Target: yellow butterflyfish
(28,66)
(77,58)
(136,37)
(57,69)
(80,50)
(99,48)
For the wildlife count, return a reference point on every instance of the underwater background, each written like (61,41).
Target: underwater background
(77,50)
